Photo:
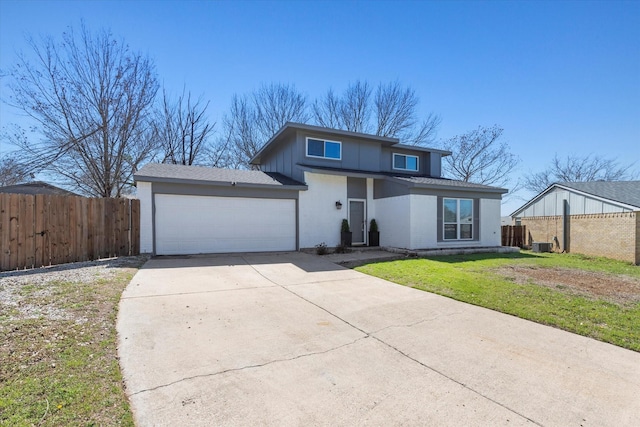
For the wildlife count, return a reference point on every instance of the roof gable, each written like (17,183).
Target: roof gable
(621,193)
(627,192)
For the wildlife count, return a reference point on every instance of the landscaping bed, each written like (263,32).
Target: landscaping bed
(58,355)
(594,297)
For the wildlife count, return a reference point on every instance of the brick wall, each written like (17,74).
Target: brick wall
(615,235)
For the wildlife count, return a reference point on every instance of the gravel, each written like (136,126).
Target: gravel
(14,302)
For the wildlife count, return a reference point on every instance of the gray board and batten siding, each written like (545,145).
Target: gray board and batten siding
(286,153)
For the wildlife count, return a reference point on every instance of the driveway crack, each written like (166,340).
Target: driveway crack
(455,381)
(409,325)
(258,365)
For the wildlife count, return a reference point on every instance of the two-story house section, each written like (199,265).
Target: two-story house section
(307,180)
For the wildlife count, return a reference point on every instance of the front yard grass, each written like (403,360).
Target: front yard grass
(58,361)
(594,297)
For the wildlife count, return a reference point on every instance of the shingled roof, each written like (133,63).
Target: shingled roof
(159,172)
(448,183)
(36,187)
(627,192)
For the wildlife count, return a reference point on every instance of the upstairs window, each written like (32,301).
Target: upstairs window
(458,219)
(324,149)
(405,162)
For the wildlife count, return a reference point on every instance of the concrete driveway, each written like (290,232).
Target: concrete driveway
(292,339)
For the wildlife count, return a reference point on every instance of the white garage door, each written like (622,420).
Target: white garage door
(203,224)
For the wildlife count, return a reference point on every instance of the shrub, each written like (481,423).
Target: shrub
(321,249)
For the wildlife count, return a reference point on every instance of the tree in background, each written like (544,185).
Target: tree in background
(183,130)
(390,111)
(90,98)
(12,171)
(578,169)
(253,119)
(479,157)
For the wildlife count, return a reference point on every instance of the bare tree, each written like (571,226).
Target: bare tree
(579,169)
(277,104)
(253,119)
(183,130)
(391,111)
(327,111)
(90,98)
(12,171)
(355,108)
(479,157)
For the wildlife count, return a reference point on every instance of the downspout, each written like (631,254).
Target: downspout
(565,226)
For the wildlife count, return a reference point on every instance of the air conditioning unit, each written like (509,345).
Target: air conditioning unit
(542,247)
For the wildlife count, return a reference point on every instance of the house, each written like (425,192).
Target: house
(593,218)
(36,187)
(306,180)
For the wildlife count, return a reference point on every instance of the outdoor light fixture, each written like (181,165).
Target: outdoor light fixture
(338,204)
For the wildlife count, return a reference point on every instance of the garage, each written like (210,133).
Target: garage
(197,224)
(198,210)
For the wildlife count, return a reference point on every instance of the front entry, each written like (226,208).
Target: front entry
(358,221)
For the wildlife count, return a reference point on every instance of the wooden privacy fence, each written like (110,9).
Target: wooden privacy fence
(514,235)
(40,230)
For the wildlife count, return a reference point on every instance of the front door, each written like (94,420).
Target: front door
(357,221)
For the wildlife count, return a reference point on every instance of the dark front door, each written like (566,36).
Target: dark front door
(357,221)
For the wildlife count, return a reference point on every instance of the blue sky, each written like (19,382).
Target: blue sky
(559,77)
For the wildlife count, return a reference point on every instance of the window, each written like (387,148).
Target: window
(458,219)
(405,162)
(324,149)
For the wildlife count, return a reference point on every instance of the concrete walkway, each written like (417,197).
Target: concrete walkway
(293,339)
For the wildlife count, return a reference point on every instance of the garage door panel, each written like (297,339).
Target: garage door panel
(203,224)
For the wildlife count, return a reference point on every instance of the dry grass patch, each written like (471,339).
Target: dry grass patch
(617,289)
(594,297)
(58,356)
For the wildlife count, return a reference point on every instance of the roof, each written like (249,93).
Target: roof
(627,192)
(412,181)
(159,172)
(291,126)
(620,192)
(36,187)
(420,148)
(445,183)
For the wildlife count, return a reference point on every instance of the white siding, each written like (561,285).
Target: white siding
(490,222)
(143,192)
(371,206)
(393,218)
(424,217)
(319,219)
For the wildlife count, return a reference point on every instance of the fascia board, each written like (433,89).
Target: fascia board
(220,183)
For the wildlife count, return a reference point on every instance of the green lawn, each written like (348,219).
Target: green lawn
(481,280)
(58,361)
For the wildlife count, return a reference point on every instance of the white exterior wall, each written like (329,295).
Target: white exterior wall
(371,206)
(411,222)
(393,218)
(143,192)
(490,222)
(319,219)
(423,225)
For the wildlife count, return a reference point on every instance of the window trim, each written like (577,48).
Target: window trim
(457,223)
(393,162)
(306,148)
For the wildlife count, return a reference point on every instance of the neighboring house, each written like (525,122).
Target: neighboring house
(593,218)
(36,187)
(309,179)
